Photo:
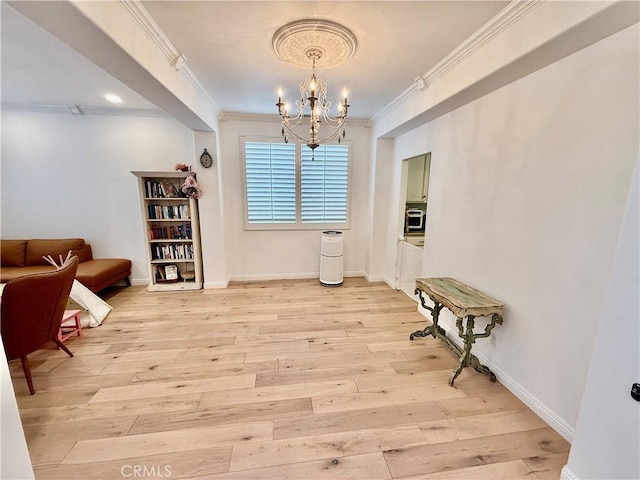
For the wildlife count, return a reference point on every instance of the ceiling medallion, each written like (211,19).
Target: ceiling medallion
(292,42)
(318,44)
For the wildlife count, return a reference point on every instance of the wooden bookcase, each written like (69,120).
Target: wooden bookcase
(171,232)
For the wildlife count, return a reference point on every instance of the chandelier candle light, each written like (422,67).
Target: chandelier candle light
(313,93)
(323,44)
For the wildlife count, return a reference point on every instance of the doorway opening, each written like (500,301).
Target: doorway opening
(412,235)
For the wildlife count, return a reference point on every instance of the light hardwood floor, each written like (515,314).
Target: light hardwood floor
(272,380)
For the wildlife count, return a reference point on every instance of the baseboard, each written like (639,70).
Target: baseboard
(255,277)
(567,474)
(392,283)
(284,276)
(139,281)
(544,412)
(375,278)
(212,285)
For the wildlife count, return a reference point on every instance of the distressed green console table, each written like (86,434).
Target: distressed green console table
(465,303)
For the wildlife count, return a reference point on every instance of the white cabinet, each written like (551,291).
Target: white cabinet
(171,232)
(418,178)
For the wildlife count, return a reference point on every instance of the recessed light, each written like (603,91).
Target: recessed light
(113,98)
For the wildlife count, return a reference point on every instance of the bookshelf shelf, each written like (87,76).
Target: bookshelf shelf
(171,232)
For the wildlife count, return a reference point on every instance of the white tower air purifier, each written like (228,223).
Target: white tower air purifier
(331,273)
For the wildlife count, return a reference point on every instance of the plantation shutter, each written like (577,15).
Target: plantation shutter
(324,182)
(271,182)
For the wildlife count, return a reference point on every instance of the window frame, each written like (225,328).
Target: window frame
(297,225)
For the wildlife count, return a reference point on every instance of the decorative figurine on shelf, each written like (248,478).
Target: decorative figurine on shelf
(190,187)
(182,167)
(170,190)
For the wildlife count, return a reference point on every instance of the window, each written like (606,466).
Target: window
(270,171)
(289,186)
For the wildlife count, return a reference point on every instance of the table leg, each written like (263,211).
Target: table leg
(478,367)
(434,329)
(469,338)
(466,351)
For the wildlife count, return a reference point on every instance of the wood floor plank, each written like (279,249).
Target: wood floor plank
(370,466)
(405,344)
(155,389)
(386,416)
(226,414)
(212,369)
(146,345)
(280,392)
(47,383)
(85,411)
(49,443)
(314,363)
(373,383)
(132,446)
(317,383)
(357,401)
(77,396)
(316,335)
(293,345)
(288,378)
(512,470)
(405,462)
(187,464)
(40,365)
(334,445)
(317,350)
(485,425)
(318,328)
(155,364)
(546,467)
(434,361)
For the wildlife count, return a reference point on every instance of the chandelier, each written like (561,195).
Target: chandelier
(321,44)
(313,94)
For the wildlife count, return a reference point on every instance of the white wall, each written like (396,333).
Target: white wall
(211,211)
(527,191)
(15,463)
(69,176)
(607,440)
(288,253)
(380,192)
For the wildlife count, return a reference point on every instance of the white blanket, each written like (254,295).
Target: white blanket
(81,298)
(96,309)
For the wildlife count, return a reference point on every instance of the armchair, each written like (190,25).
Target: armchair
(31,312)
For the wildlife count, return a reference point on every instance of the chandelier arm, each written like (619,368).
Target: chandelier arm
(313,94)
(334,122)
(333,136)
(292,134)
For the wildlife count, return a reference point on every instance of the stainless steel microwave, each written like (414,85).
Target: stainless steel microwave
(415,219)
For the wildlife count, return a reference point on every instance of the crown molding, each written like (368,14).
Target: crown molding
(506,17)
(275,118)
(494,27)
(178,62)
(84,110)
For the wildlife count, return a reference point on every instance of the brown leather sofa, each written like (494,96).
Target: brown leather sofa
(23,257)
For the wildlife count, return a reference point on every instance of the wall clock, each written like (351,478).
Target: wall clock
(205,159)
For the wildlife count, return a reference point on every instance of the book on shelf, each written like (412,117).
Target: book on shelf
(168,212)
(170,232)
(165,273)
(171,272)
(158,189)
(173,252)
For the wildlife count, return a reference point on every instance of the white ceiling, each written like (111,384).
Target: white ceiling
(40,70)
(227,45)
